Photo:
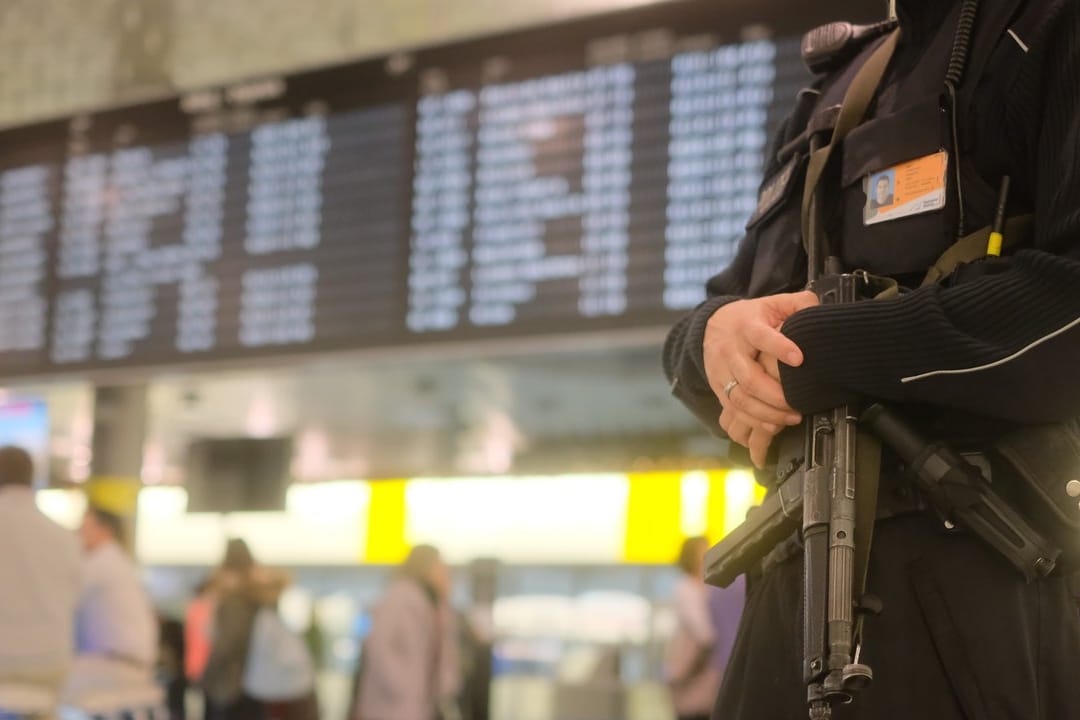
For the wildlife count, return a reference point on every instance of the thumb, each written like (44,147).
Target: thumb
(790,303)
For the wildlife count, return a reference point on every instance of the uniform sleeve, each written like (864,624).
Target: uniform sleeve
(1004,346)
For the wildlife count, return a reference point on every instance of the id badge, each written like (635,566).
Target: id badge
(911,188)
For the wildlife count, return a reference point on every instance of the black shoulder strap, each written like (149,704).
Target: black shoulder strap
(973,246)
(856,101)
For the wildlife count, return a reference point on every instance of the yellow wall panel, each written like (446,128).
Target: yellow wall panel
(386,541)
(653,518)
(717,505)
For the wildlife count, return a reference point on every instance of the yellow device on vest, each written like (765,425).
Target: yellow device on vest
(997,237)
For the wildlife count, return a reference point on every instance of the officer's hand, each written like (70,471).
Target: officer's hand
(771,365)
(760,439)
(737,336)
(757,442)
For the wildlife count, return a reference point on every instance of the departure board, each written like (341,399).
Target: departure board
(577,178)
(231,242)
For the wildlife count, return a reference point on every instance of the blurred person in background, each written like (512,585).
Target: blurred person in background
(692,676)
(473,673)
(116,628)
(172,654)
(410,665)
(198,625)
(39,575)
(232,620)
(725,613)
(315,638)
(257,668)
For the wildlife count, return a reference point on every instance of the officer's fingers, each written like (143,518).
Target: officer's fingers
(728,362)
(770,365)
(736,429)
(718,375)
(726,329)
(756,385)
(758,444)
(740,434)
(769,340)
(786,304)
(739,426)
(716,356)
(727,417)
(757,413)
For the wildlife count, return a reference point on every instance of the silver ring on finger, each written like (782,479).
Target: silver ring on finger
(729,387)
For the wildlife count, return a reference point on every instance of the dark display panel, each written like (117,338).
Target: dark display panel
(227,475)
(575,178)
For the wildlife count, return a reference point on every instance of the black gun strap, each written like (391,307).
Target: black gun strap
(868,474)
(857,100)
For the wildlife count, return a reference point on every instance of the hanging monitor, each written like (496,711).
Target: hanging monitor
(226,475)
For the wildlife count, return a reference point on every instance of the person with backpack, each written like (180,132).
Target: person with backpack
(257,669)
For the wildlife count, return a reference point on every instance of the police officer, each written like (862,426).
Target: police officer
(961,633)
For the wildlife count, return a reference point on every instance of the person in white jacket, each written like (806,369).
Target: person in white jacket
(39,574)
(116,627)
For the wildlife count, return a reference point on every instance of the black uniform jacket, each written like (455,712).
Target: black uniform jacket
(970,358)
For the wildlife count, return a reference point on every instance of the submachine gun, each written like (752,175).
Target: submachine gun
(816,497)
(820,488)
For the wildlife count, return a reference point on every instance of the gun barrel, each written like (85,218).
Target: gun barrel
(959,490)
(905,442)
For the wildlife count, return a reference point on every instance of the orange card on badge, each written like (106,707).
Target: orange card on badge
(910,188)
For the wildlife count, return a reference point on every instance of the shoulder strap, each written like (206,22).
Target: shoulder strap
(868,472)
(972,247)
(856,101)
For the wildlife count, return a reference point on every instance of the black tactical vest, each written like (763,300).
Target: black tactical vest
(911,118)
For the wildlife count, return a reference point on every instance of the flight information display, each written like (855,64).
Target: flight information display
(571,179)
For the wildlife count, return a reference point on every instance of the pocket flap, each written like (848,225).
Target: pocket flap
(1048,460)
(883,142)
(777,189)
